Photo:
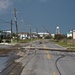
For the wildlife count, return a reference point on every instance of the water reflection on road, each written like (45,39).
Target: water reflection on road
(3,62)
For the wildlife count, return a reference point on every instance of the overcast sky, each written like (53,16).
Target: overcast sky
(49,13)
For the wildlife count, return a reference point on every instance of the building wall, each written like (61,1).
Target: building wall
(69,34)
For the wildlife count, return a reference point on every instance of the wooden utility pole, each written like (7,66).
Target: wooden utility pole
(30,32)
(16,23)
(37,33)
(11,30)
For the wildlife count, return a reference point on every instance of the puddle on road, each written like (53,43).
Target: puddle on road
(4,58)
(7,59)
(3,62)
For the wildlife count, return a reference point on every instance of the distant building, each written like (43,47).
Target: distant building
(69,34)
(5,34)
(26,35)
(41,34)
(73,34)
(8,33)
(23,35)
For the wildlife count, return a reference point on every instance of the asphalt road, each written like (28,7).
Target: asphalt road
(50,63)
(41,62)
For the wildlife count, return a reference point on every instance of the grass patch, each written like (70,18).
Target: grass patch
(70,44)
(62,44)
(27,40)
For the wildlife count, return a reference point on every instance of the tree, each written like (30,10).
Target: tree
(48,37)
(59,36)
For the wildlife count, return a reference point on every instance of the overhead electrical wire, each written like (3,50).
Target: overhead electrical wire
(4,21)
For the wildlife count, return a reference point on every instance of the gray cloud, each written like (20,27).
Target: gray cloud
(4,4)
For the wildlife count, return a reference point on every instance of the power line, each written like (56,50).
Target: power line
(46,30)
(4,21)
(22,20)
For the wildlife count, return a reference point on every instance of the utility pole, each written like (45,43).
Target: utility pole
(30,35)
(11,31)
(16,23)
(37,32)
(30,32)
(22,26)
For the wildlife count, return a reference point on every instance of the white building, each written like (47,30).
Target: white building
(23,35)
(69,34)
(43,34)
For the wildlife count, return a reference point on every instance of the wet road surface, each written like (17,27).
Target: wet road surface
(51,63)
(42,62)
